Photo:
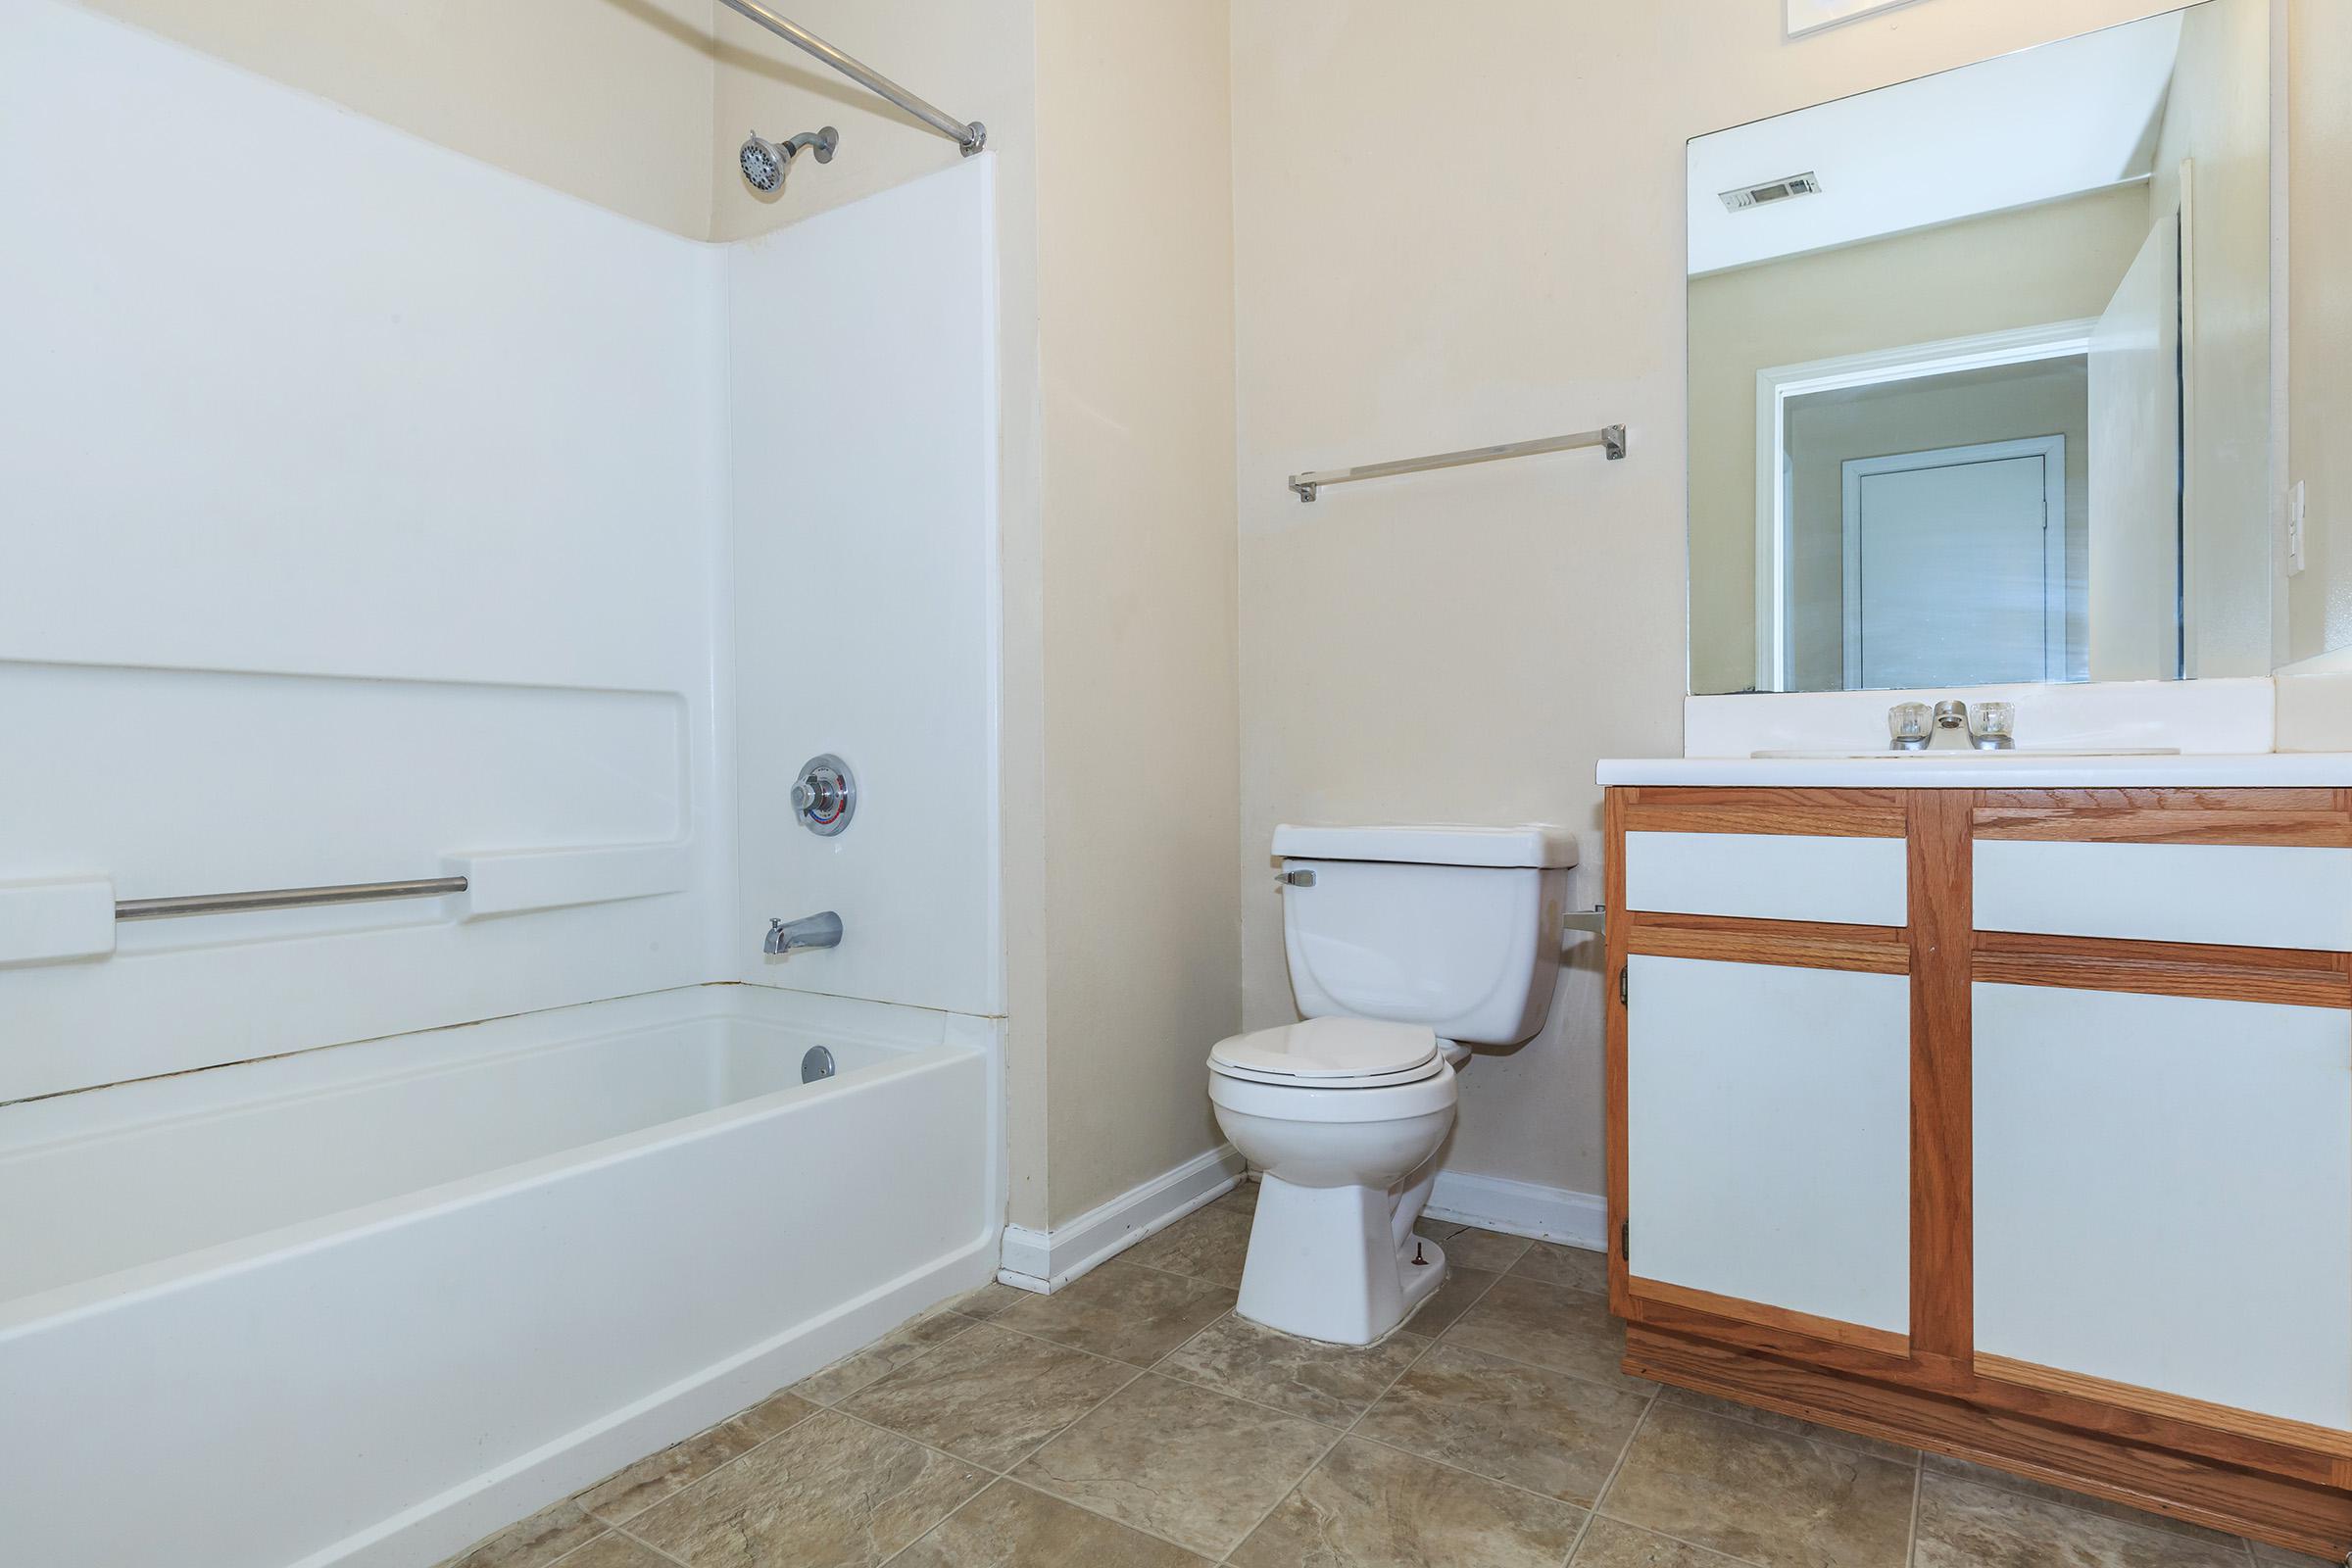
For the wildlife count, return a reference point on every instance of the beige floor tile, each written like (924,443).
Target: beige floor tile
(1555,1264)
(1329,1383)
(616,1550)
(1963,1524)
(902,1345)
(2280,1557)
(1208,1244)
(2002,1480)
(773,1414)
(1472,1248)
(1178,1462)
(1122,1311)
(533,1543)
(1772,1420)
(1366,1507)
(1462,1290)
(631,1491)
(1545,1431)
(988,1301)
(831,1491)
(1011,1526)
(1610,1543)
(989,1395)
(1766,1498)
(1548,1325)
(1242,1199)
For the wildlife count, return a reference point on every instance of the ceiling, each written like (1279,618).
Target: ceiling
(2031,127)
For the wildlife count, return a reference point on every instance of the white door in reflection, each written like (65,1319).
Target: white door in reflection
(1955,566)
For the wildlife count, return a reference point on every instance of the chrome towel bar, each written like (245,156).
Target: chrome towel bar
(433,887)
(1609,438)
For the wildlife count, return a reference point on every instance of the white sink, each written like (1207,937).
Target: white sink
(1960,754)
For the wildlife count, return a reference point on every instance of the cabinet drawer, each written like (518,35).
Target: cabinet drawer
(1769,876)
(2231,895)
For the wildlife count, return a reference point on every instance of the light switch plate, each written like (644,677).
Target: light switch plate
(2294,528)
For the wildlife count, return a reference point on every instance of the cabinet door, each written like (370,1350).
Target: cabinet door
(2163,1198)
(1768,1139)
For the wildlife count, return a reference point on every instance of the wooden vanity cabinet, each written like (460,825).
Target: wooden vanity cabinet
(2012,1124)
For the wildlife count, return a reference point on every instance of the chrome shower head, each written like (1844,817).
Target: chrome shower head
(764,163)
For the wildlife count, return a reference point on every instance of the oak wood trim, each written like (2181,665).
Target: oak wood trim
(1941,937)
(2138,1469)
(1834,1331)
(1703,808)
(2171,1406)
(1613,1038)
(1802,943)
(2165,799)
(2292,976)
(2130,825)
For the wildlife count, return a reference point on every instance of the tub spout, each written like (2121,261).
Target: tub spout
(809,931)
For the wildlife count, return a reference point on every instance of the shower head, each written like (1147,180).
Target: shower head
(764,163)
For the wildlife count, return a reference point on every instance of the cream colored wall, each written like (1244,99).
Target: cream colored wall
(607,99)
(2219,114)
(2319,306)
(2055,262)
(1142,726)
(1461,233)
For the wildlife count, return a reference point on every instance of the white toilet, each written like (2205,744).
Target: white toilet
(1406,946)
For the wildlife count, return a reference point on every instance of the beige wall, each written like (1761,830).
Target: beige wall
(1142,728)
(2320,296)
(1470,233)
(2055,262)
(607,99)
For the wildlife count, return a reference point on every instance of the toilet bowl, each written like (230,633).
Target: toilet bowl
(1404,942)
(1345,1132)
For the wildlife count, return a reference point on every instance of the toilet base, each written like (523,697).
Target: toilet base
(1336,1263)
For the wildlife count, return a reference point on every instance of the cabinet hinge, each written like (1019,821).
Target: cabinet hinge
(1624,1240)
(1623,984)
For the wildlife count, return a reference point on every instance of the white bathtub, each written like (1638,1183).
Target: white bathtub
(363,1304)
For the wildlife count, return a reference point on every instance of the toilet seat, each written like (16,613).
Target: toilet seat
(1330,1053)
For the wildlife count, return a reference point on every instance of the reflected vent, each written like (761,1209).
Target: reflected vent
(1772,190)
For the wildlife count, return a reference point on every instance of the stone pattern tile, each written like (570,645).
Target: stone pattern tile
(1132,1418)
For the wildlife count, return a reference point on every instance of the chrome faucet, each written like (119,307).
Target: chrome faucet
(809,931)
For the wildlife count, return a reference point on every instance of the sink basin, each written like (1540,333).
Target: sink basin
(1959,754)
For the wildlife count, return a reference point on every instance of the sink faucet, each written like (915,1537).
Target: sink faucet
(1992,727)
(809,931)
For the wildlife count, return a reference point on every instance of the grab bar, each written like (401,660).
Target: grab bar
(432,887)
(1609,438)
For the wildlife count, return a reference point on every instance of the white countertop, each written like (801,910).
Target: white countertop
(1941,769)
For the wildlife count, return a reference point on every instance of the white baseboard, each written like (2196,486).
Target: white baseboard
(1046,1260)
(1522,1209)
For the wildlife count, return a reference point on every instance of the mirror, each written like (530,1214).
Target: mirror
(1979,371)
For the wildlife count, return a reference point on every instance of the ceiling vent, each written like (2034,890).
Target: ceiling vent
(1772,190)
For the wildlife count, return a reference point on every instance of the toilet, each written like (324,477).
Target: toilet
(1408,944)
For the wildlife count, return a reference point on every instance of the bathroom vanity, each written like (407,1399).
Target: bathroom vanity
(2000,1106)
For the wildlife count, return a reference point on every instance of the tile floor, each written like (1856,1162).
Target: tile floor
(1133,1419)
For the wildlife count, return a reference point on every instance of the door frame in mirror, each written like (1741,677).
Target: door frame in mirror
(1776,384)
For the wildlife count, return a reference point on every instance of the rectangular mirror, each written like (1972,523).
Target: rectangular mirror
(1980,372)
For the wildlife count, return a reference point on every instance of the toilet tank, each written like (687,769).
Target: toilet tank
(1458,928)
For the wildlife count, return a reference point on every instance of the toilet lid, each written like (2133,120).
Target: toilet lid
(1329,1051)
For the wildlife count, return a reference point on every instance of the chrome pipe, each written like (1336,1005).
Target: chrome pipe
(285,897)
(1609,438)
(970,138)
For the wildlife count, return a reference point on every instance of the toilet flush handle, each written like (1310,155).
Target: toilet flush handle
(1295,879)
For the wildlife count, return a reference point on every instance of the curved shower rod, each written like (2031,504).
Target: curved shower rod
(970,138)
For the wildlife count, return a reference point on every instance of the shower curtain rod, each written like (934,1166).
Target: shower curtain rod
(971,138)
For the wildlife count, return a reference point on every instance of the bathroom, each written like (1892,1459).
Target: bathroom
(708,743)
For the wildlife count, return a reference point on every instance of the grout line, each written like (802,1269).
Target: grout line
(1919,1484)
(641,1541)
(983,1489)
(1617,1467)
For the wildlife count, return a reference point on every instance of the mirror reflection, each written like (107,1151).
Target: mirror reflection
(1980,369)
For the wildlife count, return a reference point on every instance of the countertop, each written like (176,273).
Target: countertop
(1941,769)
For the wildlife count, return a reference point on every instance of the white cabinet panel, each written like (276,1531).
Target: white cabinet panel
(2164,1193)
(2236,894)
(1768,1138)
(1769,876)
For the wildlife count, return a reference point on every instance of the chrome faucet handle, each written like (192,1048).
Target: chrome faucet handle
(1992,727)
(1907,726)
